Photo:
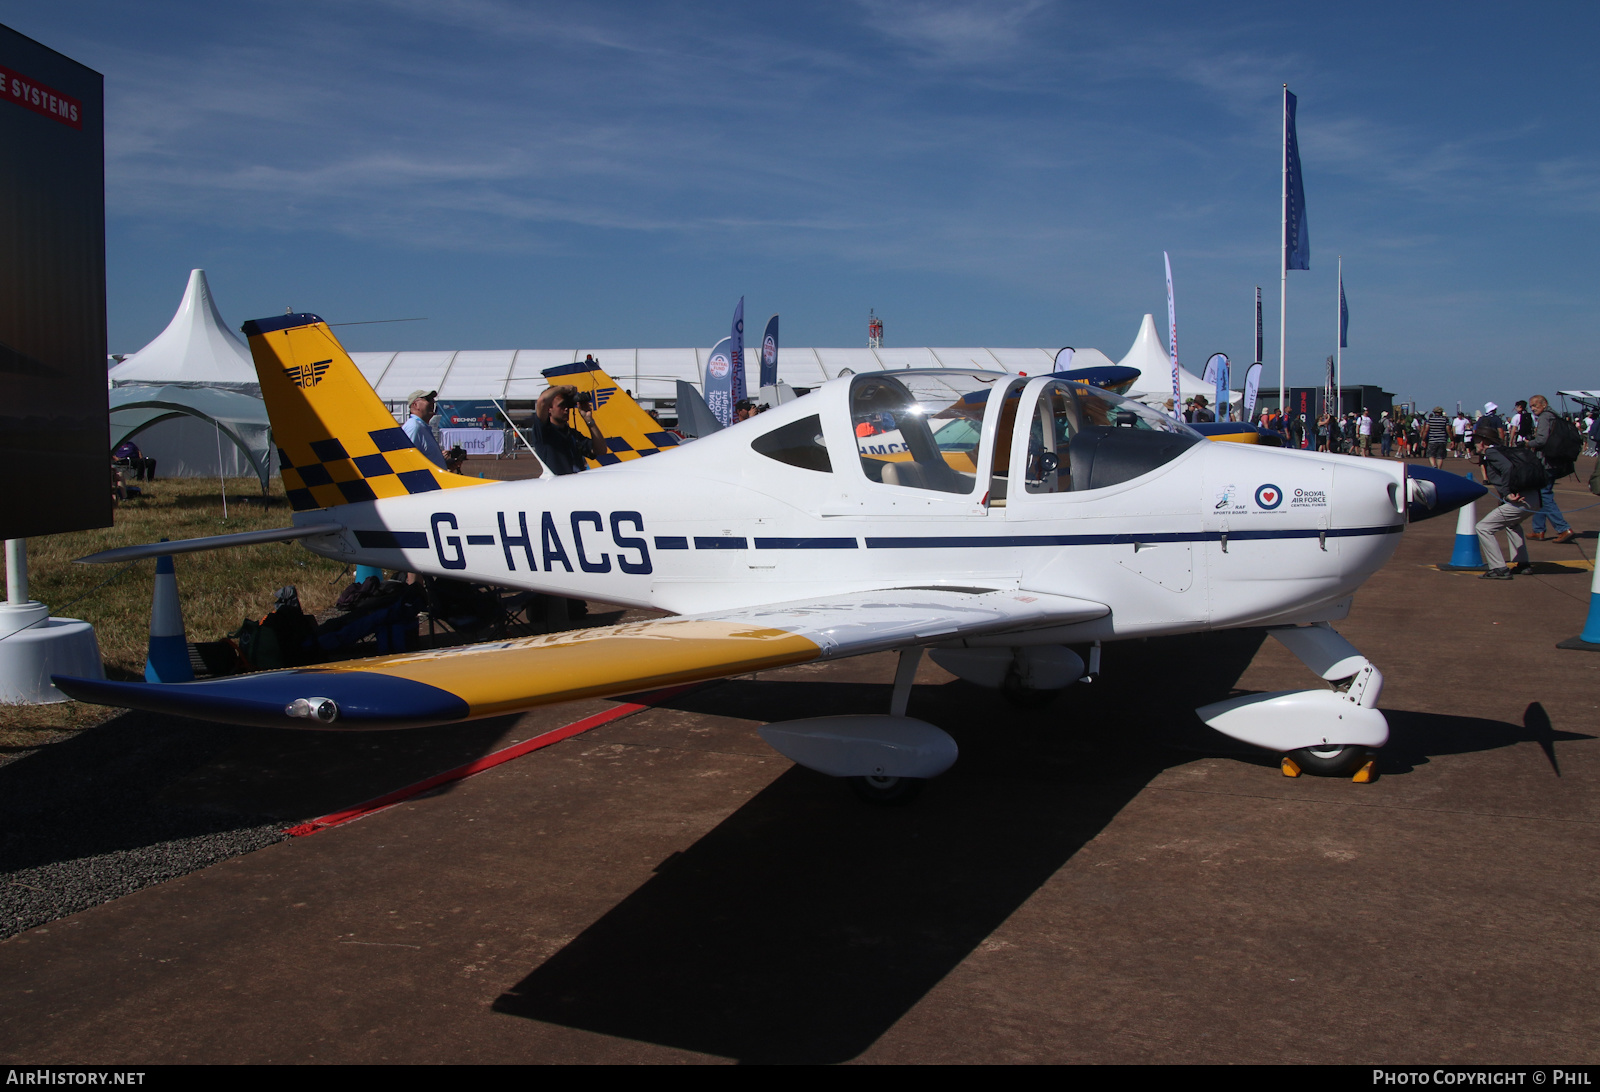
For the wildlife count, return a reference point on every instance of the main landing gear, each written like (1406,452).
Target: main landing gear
(886,759)
(1331,733)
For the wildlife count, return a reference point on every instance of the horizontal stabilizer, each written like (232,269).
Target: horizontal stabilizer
(1108,377)
(210,542)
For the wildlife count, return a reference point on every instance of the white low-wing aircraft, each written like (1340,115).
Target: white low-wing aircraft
(1002,521)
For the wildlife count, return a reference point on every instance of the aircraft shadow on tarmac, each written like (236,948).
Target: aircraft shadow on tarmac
(806,925)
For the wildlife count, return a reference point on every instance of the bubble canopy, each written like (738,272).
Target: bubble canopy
(922,429)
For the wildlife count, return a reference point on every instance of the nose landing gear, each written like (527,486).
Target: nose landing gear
(1331,733)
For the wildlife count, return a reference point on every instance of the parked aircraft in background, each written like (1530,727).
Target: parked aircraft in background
(1009,524)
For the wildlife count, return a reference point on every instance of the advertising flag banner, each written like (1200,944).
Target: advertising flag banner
(1252,387)
(769,354)
(718,382)
(1296,239)
(1172,333)
(1064,359)
(1344,318)
(1217,374)
(736,351)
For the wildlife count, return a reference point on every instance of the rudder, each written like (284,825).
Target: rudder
(630,432)
(337,442)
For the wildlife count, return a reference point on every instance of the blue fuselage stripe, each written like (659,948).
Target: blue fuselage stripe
(805,544)
(967,542)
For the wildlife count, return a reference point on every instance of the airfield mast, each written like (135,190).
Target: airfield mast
(874,330)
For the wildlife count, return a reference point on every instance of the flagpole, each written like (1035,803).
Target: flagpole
(1283,265)
(1338,322)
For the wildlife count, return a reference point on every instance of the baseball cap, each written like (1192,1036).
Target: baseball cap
(414,395)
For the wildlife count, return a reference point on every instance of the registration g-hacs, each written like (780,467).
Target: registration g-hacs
(1011,525)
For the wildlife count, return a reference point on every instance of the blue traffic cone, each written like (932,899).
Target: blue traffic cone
(1589,639)
(1467,554)
(168,660)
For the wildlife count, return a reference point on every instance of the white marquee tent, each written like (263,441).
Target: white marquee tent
(190,399)
(1154,386)
(653,374)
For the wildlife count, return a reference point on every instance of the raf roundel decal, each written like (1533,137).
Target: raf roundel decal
(1269,497)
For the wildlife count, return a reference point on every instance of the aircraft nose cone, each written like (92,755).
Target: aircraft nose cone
(1435,492)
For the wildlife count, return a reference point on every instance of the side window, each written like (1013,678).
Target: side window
(799,443)
(1055,417)
(922,438)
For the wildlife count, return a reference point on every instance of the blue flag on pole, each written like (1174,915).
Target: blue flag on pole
(736,352)
(769,354)
(1296,240)
(1344,318)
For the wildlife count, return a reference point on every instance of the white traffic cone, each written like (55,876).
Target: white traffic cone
(168,659)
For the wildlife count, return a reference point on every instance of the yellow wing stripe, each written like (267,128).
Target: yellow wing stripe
(509,676)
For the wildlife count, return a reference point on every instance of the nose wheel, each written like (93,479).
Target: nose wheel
(1330,761)
(890,791)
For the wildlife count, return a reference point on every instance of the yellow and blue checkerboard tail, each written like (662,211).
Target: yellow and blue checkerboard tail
(630,432)
(337,443)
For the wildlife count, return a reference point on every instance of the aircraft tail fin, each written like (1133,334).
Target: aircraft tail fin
(337,443)
(694,416)
(630,432)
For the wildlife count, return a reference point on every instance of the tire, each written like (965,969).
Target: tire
(1331,761)
(888,791)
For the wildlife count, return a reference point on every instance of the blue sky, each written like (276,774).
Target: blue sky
(1005,173)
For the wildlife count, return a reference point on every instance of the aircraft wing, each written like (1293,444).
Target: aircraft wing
(451,684)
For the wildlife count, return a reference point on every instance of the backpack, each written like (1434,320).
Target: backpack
(1527,472)
(1561,450)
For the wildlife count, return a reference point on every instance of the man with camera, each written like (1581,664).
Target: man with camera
(558,445)
(1516,476)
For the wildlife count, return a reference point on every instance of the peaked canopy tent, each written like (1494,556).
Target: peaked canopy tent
(1154,386)
(190,398)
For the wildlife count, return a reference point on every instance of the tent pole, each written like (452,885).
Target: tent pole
(222,474)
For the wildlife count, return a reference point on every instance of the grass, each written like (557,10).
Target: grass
(218,588)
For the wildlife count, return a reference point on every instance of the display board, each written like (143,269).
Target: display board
(52,292)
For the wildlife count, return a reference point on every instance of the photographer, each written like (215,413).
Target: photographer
(557,444)
(1516,476)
